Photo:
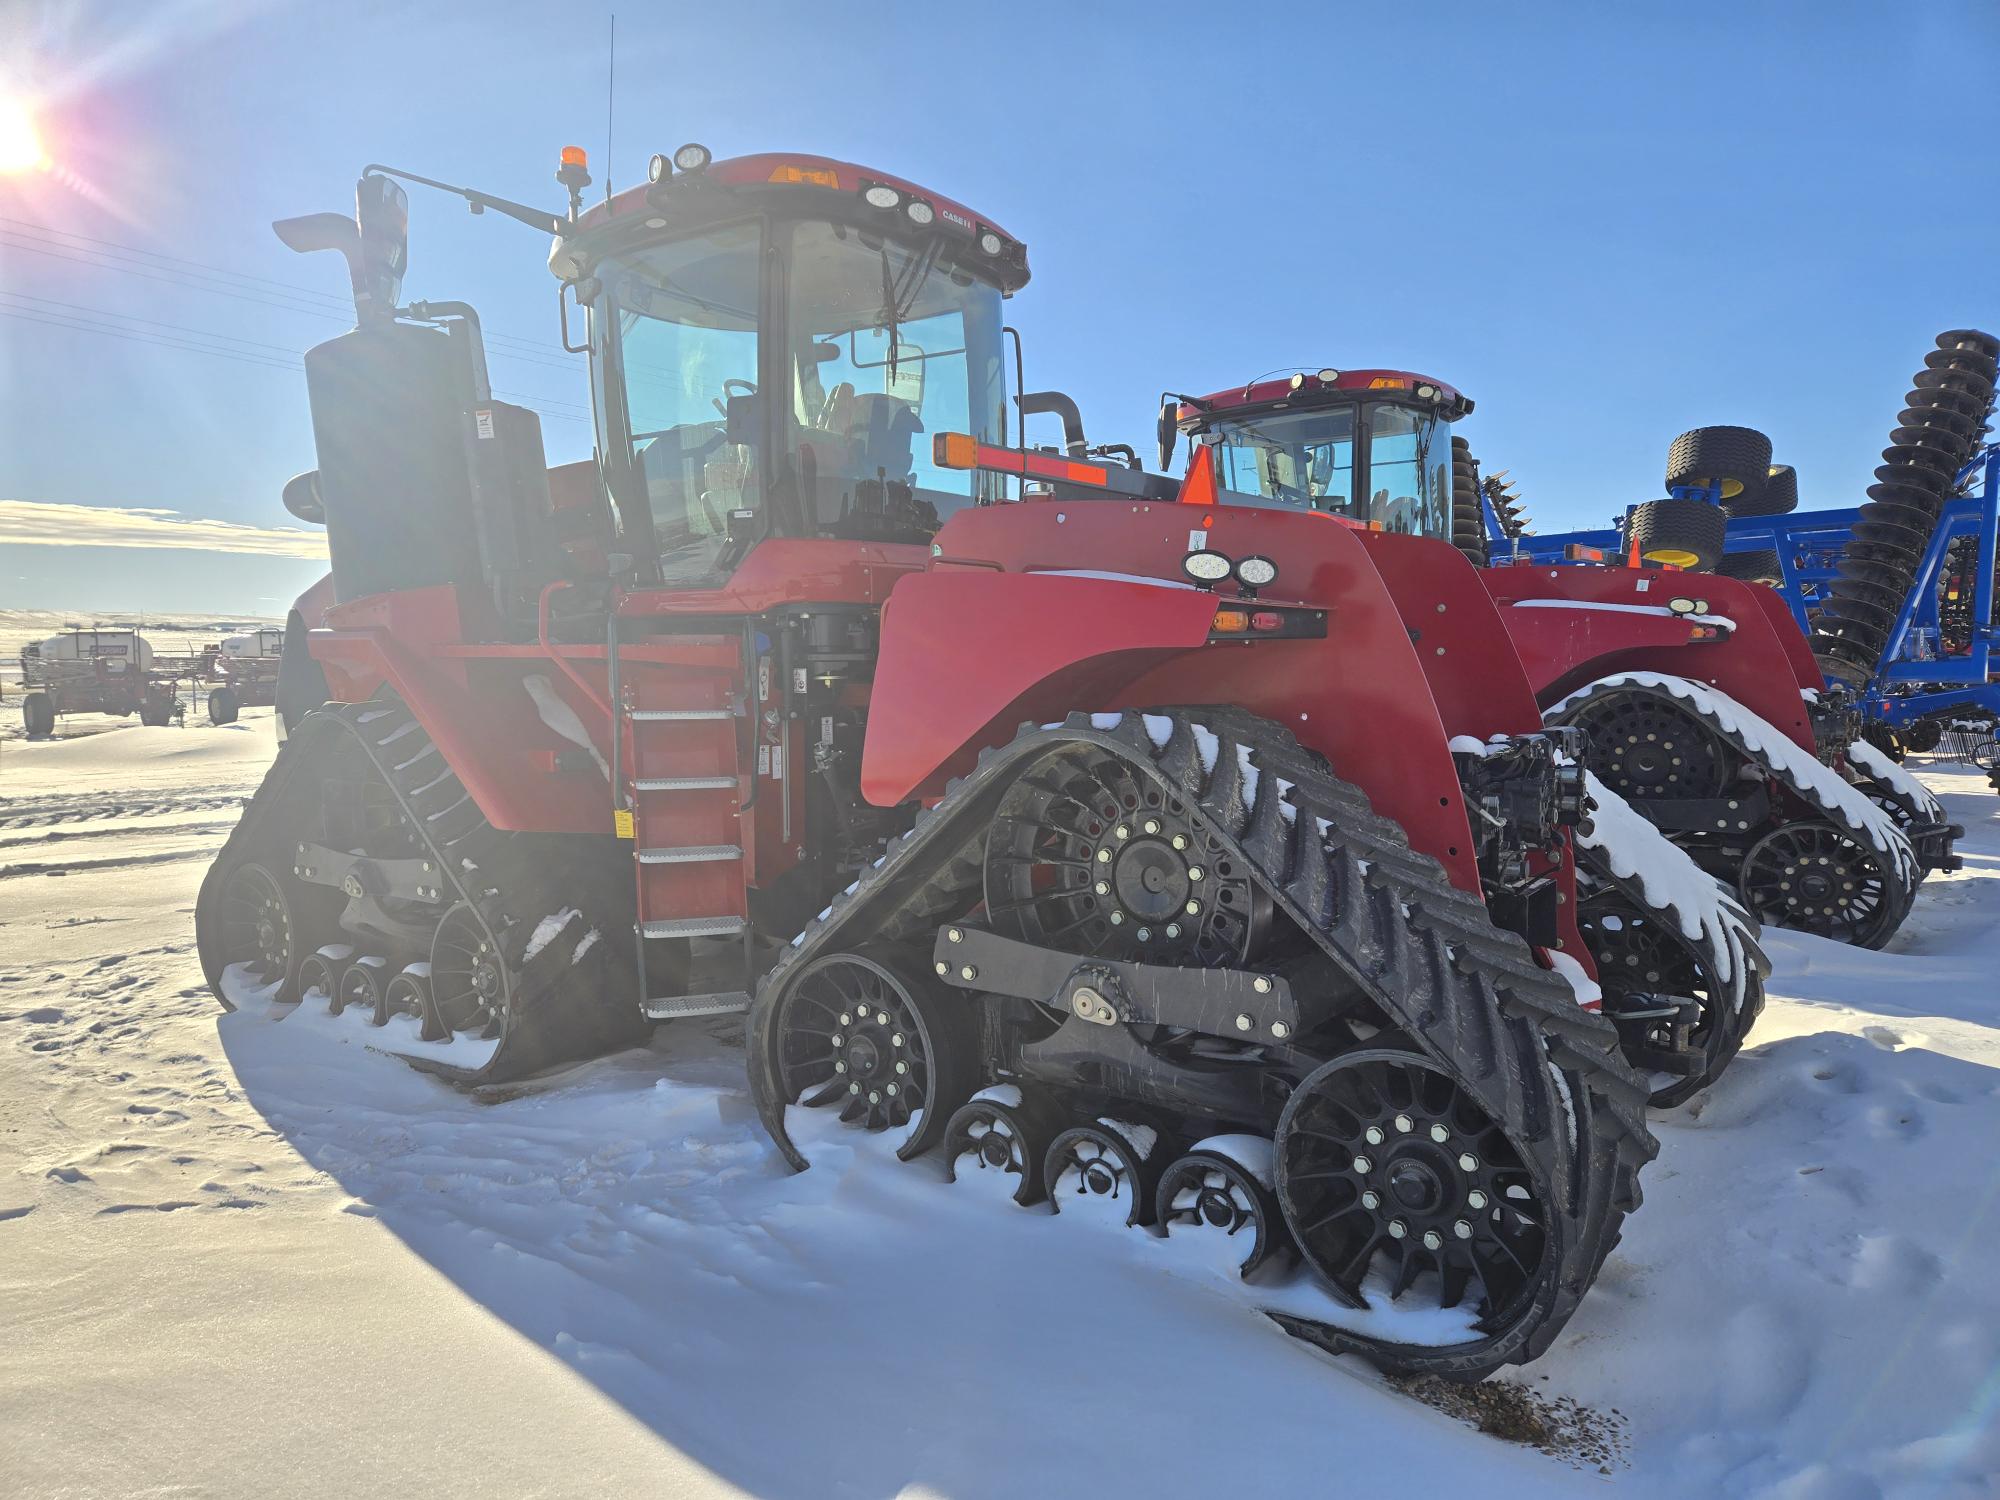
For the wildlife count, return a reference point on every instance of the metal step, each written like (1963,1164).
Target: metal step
(676,1007)
(690,854)
(677,715)
(685,784)
(693,927)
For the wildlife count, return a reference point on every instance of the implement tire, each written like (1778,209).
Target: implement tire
(1779,497)
(1752,567)
(1736,458)
(222,706)
(1686,533)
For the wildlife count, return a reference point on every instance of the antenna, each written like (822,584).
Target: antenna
(610,98)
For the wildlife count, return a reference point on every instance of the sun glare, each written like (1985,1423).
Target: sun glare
(20,143)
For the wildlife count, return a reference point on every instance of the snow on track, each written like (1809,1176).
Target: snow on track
(247,1258)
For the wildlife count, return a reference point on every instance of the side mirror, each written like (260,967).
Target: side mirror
(301,497)
(1169,433)
(382,214)
(740,418)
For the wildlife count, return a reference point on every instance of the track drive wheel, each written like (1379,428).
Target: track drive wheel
(1213,1195)
(258,931)
(883,1045)
(1393,1180)
(1095,1170)
(1007,1136)
(1814,877)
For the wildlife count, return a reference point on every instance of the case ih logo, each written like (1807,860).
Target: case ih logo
(954,218)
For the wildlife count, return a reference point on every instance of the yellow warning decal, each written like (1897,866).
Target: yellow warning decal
(622,823)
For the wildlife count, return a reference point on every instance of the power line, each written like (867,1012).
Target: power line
(292,293)
(77,307)
(78,323)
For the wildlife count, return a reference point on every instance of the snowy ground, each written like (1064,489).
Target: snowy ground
(256,1258)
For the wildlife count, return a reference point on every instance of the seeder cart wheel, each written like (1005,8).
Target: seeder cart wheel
(38,715)
(223,706)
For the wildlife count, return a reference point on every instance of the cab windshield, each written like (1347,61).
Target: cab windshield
(877,345)
(1378,463)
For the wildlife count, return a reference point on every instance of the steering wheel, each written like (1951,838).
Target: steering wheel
(746,387)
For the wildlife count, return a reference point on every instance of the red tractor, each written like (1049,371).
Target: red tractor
(1698,696)
(1226,825)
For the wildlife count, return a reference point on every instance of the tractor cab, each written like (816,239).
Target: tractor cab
(773,340)
(1371,448)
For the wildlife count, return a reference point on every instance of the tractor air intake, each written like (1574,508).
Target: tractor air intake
(1936,435)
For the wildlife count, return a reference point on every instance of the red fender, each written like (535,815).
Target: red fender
(987,639)
(1564,647)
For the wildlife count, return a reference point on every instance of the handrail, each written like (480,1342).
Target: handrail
(583,684)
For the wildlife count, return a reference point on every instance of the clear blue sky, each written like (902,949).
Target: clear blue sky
(1606,223)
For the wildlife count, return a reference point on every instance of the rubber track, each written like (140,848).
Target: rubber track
(1470,995)
(1901,855)
(488,869)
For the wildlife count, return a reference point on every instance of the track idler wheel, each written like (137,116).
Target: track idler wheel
(1001,1136)
(1648,975)
(258,929)
(1390,1175)
(1214,1196)
(1095,1170)
(472,985)
(1815,877)
(887,1048)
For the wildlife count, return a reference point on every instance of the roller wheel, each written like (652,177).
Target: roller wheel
(1815,877)
(38,715)
(363,987)
(223,706)
(409,994)
(1095,1170)
(258,928)
(1386,1167)
(993,1135)
(1212,1195)
(1752,567)
(1687,534)
(1778,497)
(889,1049)
(318,978)
(1737,458)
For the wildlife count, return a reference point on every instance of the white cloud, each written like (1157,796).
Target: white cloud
(49,523)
